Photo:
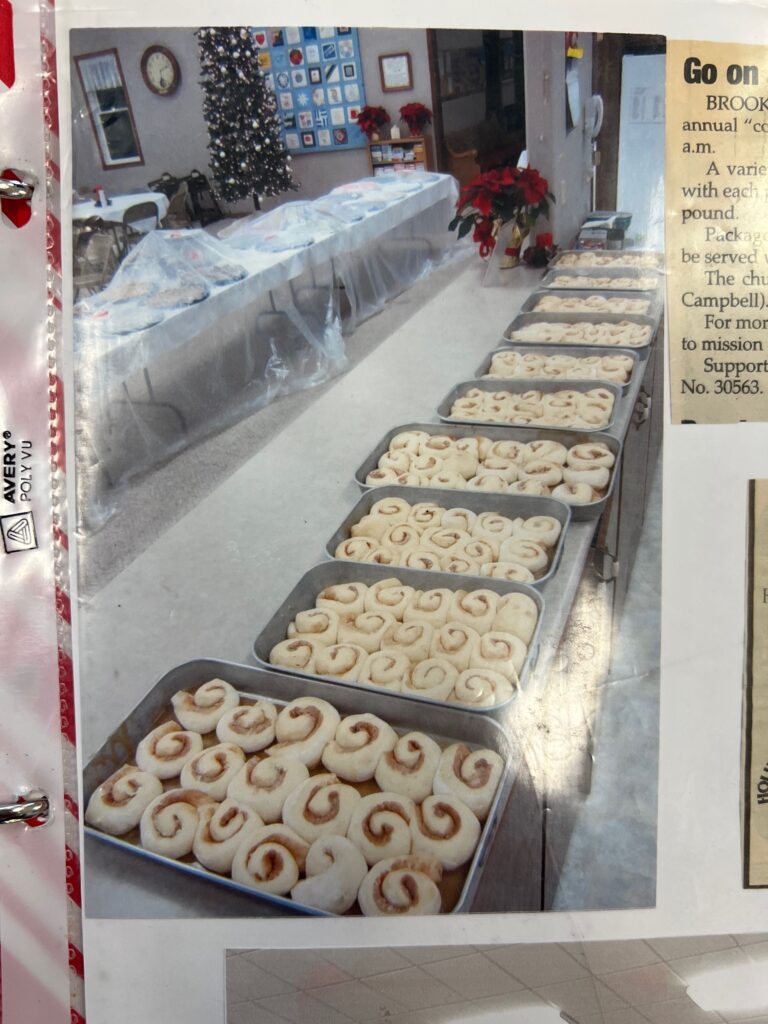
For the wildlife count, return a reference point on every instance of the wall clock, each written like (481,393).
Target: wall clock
(160,70)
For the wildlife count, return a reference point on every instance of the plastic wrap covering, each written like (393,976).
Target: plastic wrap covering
(195,332)
(292,226)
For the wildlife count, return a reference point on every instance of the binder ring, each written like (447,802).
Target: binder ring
(34,807)
(12,188)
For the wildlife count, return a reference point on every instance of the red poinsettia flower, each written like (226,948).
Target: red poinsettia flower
(416,116)
(370,119)
(497,197)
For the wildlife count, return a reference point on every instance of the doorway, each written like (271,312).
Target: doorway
(478,88)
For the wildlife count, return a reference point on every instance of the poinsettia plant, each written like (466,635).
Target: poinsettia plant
(416,116)
(494,198)
(371,119)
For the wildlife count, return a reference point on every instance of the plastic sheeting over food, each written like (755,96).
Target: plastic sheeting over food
(195,332)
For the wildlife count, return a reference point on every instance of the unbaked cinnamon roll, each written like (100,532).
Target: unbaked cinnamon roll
(550,474)
(320,806)
(502,652)
(574,494)
(512,450)
(454,641)
(168,824)
(364,630)
(410,638)
(391,510)
(402,537)
(303,728)
(410,766)
(409,440)
(250,726)
(389,595)
(381,826)
(445,828)
(212,769)
(270,859)
(383,556)
(298,654)
(518,614)
(354,751)
(432,678)
(422,559)
(343,598)
(490,481)
(587,456)
(495,464)
(479,552)
(511,571)
(598,477)
(166,750)
(387,669)
(201,710)
(369,526)
(220,831)
(482,688)
(493,528)
(402,885)
(448,478)
(545,530)
(342,661)
(399,461)
(462,519)
(471,775)
(117,805)
(443,541)
(265,784)
(321,625)
(460,564)
(429,606)
(526,553)
(475,608)
(381,477)
(334,870)
(533,488)
(425,514)
(355,549)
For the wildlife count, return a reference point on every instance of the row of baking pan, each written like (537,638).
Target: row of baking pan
(444,722)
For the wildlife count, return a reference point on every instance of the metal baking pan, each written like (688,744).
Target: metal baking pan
(578,351)
(510,505)
(579,513)
(652,298)
(552,276)
(327,574)
(445,726)
(614,258)
(527,319)
(520,387)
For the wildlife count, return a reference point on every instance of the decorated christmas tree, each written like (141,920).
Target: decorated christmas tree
(248,157)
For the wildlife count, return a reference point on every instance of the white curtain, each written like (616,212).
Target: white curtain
(100,72)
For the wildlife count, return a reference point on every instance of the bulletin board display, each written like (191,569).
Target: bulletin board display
(317,77)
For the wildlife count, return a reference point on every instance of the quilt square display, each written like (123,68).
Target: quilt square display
(317,76)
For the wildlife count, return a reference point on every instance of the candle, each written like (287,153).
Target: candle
(544,240)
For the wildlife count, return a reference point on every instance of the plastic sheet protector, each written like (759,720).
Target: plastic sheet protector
(383,515)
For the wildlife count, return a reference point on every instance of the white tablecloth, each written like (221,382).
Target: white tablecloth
(118,205)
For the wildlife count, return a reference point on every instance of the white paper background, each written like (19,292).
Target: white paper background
(173,971)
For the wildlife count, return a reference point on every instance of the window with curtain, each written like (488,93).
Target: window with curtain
(109,108)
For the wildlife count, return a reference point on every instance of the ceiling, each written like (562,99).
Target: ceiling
(635,982)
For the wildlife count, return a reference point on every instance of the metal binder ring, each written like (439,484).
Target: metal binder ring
(35,806)
(14,189)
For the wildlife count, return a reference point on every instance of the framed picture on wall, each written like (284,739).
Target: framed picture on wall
(395,71)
